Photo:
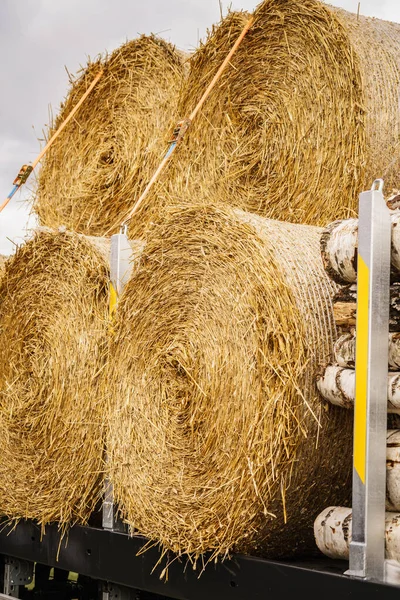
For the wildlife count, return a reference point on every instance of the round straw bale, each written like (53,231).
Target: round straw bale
(219,439)
(53,325)
(105,156)
(304,118)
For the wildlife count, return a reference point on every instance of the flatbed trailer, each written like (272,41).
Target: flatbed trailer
(109,563)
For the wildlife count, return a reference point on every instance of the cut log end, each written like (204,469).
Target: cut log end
(333,533)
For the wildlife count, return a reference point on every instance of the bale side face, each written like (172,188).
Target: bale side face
(283,129)
(304,118)
(53,324)
(103,159)
(219,435)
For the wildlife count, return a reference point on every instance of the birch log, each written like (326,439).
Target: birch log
(333,531)
(393,470)
(345,307)
(395,257)
(339,244)
(345,350)
(337,385)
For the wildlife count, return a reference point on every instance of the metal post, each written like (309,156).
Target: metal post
(367,548)
(111,591)
(120,271)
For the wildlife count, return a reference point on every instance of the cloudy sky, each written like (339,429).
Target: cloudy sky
(39,39)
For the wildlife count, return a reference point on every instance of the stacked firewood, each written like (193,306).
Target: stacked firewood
(336,383)
(339,244)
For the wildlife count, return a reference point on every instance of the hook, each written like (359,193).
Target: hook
(379,183)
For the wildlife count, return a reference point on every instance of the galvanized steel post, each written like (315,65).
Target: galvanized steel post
(120,271)
(367,548)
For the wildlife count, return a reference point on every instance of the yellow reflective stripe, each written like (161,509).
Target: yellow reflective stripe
(360,413)
(112,300)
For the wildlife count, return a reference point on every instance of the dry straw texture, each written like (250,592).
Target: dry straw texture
(53,320)
(3,260)
(104,158)
(305,117)
(376,44)
(219,440)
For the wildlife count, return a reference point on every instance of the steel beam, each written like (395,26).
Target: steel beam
(119,558)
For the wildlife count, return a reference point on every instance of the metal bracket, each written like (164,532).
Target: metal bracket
(120,260)
(23,175)
(121,257)
(110,591)
(377,185)
(367,548)
(16,573)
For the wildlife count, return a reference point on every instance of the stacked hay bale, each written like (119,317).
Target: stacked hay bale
(53,328)
(305,118)
(301,122)
(219,440)
(54,295)
(104,158)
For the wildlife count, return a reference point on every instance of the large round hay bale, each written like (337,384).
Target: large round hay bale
(305,117)
(218,439)
(53,327)
(105,156)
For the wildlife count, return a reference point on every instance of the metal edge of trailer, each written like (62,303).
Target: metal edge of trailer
(116,558)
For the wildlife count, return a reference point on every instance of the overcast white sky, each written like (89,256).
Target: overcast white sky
(39,38)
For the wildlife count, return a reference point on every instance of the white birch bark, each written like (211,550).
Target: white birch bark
(345,350)
(392,503)
(339,242)
(339,245)
(395,256)
(337,385)
(393,470)
(333,531)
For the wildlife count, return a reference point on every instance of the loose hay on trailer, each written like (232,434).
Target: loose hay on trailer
(218,439)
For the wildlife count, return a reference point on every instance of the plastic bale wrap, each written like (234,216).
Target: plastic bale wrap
(103,159)
(218,439)
(53,328)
